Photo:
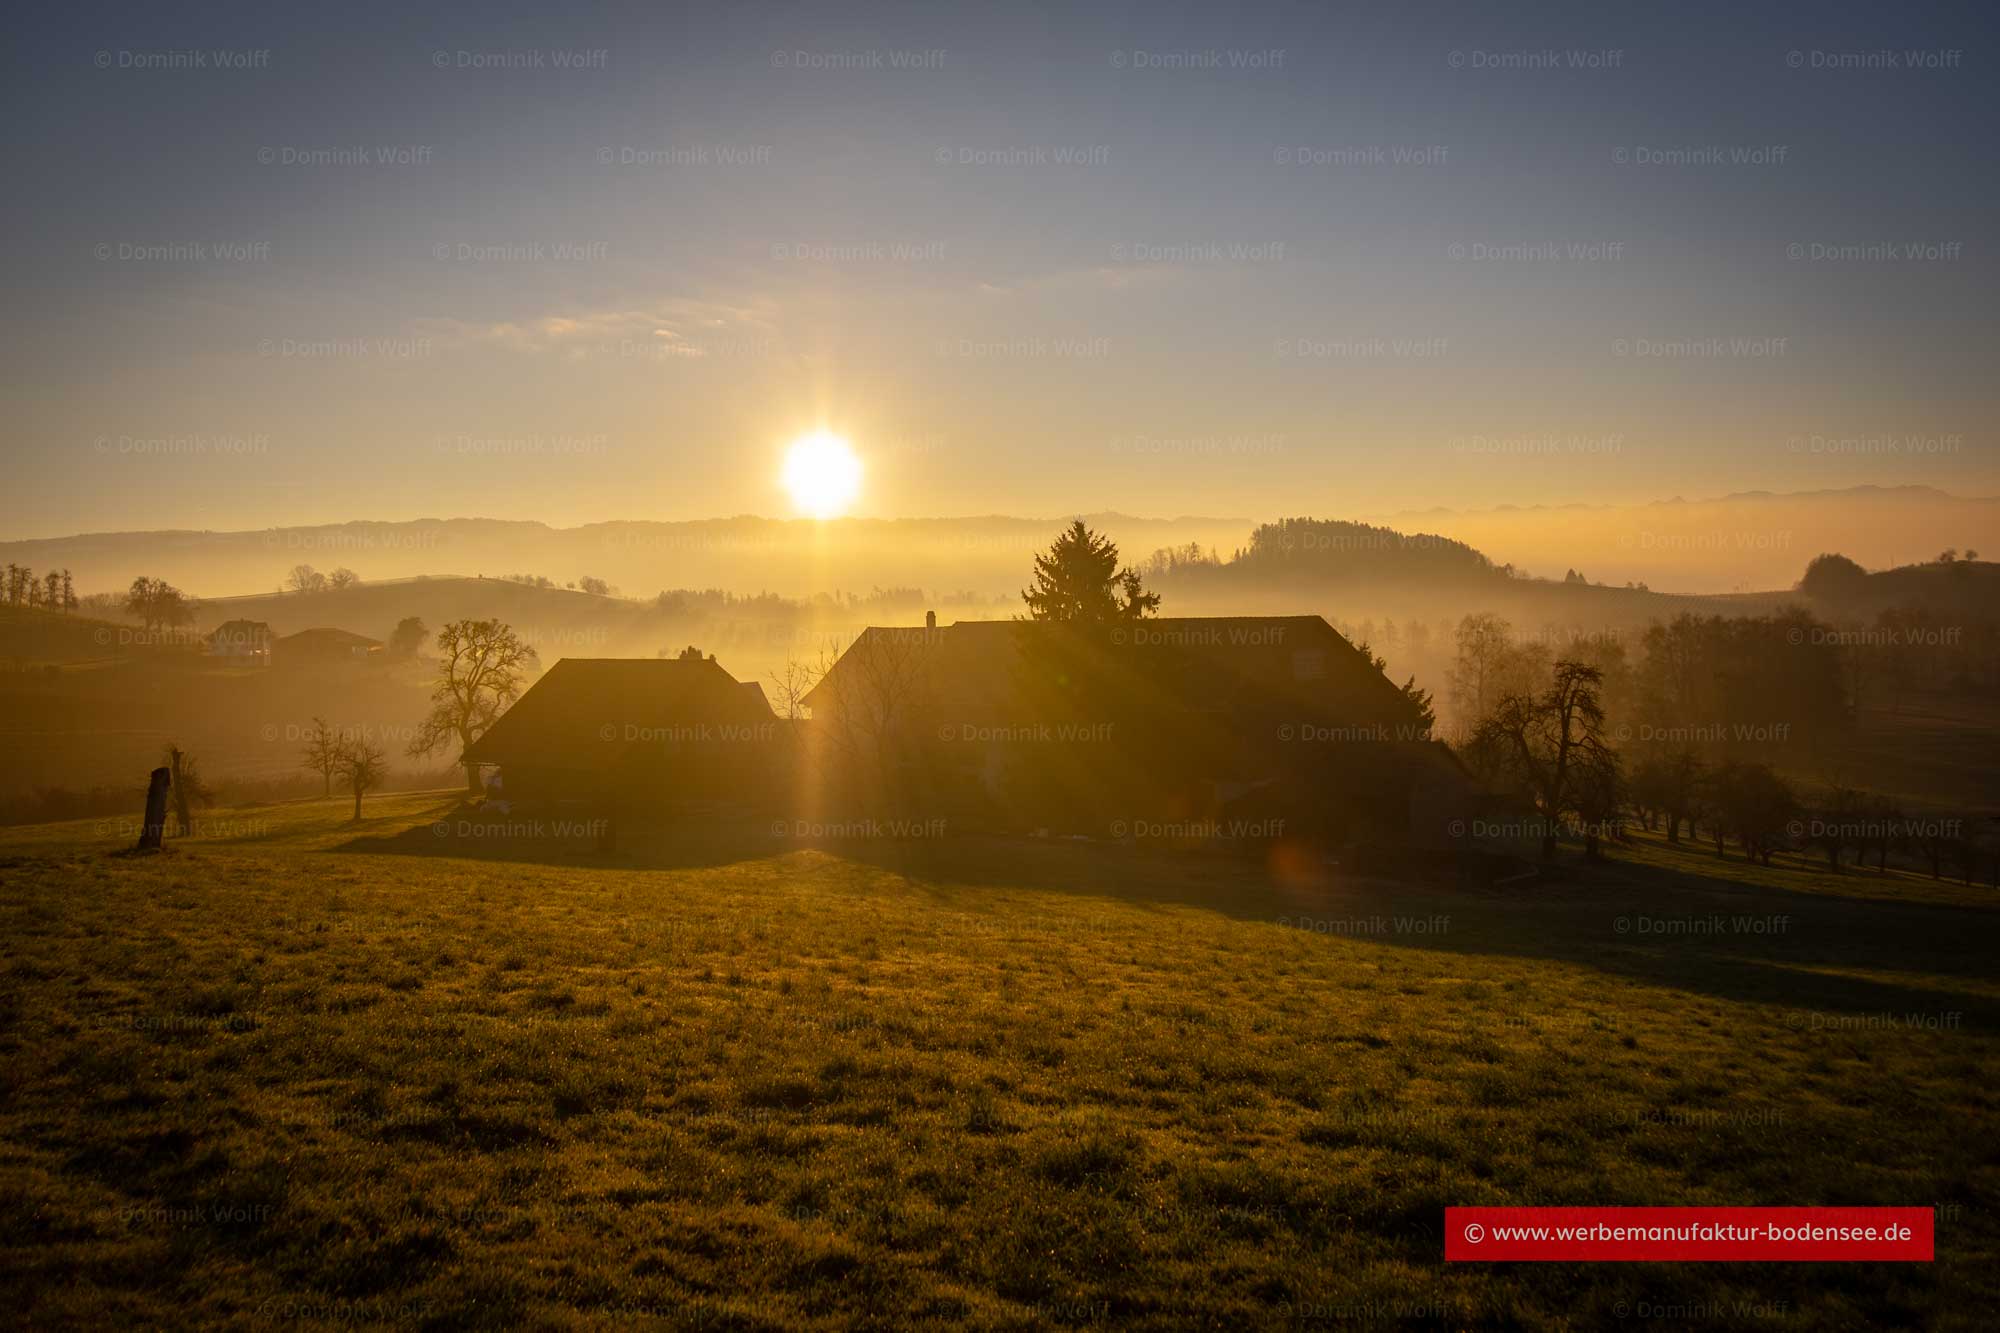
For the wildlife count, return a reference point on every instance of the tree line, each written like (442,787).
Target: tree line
(52,591)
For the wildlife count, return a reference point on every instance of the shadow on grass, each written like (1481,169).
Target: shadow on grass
(1771,945)
(462,832)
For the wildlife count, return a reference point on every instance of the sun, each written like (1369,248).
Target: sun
(822,474)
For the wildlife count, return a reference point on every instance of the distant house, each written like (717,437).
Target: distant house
(248,639)
(1234,725)
(326,645)
(633,735)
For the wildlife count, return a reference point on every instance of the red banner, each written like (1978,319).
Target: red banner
(1613,1235)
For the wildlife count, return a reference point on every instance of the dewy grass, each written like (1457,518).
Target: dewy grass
(309,1070)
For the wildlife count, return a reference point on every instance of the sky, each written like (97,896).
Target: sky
(272,265)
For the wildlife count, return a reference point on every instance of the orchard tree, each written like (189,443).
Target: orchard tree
(408,637)
(1548,742)
(1752,804)
(479,675)
(158,604)
(322,753)
(362,767)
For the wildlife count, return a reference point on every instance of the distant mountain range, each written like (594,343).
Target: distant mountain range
(1754,541)
(1742,542)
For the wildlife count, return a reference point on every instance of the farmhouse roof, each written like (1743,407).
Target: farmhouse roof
(589,713)
(328,637)
(1206,664)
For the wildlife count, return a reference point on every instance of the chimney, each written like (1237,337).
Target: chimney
(930,620)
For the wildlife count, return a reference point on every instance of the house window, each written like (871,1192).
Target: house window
(1309,666)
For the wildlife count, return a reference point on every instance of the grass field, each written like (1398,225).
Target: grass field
(420,1071)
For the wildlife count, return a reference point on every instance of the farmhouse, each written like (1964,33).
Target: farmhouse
(1225,720)
(249,639)
(633,735)
(327,645)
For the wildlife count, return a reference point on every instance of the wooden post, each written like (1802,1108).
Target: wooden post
(156,811)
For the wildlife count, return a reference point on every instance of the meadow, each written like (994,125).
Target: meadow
(429,1071)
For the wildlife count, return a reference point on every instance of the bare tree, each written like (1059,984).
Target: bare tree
(322,752)
(868,695)
(1547,740)
(305,579)
(790,687)
(1483,641)
(342,578)
(479,676)
(362,767)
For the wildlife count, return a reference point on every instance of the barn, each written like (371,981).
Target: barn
(636,737)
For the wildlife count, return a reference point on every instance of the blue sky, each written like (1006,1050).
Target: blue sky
(583,262)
